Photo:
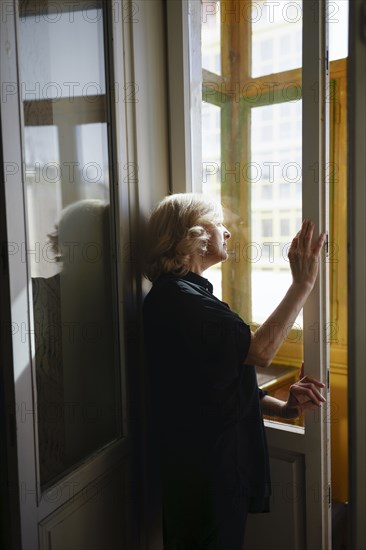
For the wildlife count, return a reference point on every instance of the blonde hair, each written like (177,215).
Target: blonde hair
(178,230)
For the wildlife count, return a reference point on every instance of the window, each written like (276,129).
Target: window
(258,96)
(267,192)
(267,228)
(285,227)
(256,126)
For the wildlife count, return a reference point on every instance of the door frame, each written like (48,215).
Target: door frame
(10,514)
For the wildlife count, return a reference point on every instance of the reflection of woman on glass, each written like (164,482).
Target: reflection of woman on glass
(74,340)
(206,403)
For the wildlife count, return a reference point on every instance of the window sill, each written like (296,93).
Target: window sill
(274,376)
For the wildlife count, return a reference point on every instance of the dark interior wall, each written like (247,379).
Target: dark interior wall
(147,134)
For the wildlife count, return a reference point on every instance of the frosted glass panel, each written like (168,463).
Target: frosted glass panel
(62,52)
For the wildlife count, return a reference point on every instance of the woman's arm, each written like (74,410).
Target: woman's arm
(303,395)
(304,263)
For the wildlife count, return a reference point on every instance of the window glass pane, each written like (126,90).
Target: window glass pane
(259,167)
(211,35)
(70,235)
(279,163)
(211,171)
(338,28)
(276,36)
(211,150)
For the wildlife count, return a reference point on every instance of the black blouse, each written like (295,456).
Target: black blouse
(205,399)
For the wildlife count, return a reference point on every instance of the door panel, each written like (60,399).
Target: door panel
(287,501)
(96,518)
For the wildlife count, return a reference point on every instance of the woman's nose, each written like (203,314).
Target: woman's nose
(227,233)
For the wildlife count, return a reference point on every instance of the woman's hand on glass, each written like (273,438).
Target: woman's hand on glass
(304,255)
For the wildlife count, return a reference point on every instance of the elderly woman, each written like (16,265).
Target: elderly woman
(207,408)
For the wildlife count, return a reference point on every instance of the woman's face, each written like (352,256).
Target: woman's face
(216,248)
